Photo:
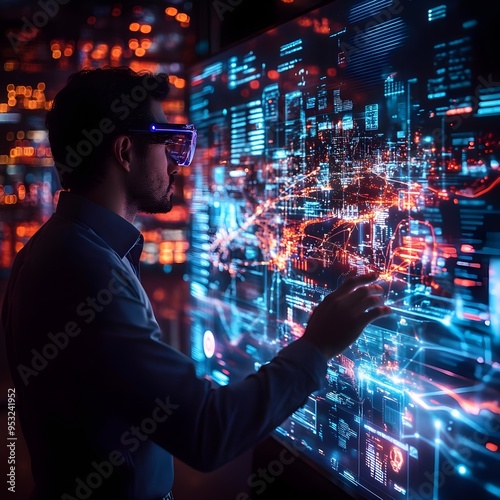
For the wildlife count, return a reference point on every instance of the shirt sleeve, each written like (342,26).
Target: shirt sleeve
(202,425)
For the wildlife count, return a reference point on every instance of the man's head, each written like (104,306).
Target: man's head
(102,137)
(91,110)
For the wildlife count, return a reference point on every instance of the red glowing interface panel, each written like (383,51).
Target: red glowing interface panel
(361,134)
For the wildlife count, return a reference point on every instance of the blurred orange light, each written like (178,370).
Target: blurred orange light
(466,283)
(146,28)
(181,17)
(467,248)
(134,26)
(166,246)
(98,53)
(171,11)
(10,199)
(116,52)
(159,294)
(491,446)
(179,258)
(458,111)
(305,22)
(165,258)
(179,83)
(133,43)
(139,52)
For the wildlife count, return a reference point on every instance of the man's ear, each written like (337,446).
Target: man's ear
(122,151)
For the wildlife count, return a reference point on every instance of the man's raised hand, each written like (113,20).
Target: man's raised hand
(341,316)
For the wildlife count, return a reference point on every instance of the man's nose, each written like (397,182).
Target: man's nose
(173,168)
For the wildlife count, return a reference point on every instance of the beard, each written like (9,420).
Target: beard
(157,207)
(153,199)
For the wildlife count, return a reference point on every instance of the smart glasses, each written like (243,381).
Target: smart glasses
(179,140)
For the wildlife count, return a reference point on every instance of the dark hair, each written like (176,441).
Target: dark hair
(91,110)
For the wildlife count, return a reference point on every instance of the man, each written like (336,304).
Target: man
(103,403)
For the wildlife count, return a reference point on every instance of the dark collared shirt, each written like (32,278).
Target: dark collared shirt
(104,404)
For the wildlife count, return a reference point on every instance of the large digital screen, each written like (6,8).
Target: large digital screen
(362,134)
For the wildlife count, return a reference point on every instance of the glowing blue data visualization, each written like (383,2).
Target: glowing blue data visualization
(361,134)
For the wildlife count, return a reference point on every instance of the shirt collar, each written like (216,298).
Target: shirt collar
(117,232)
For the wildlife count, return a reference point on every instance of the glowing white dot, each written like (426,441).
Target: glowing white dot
(446,321)
(208,344)
(462,470)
